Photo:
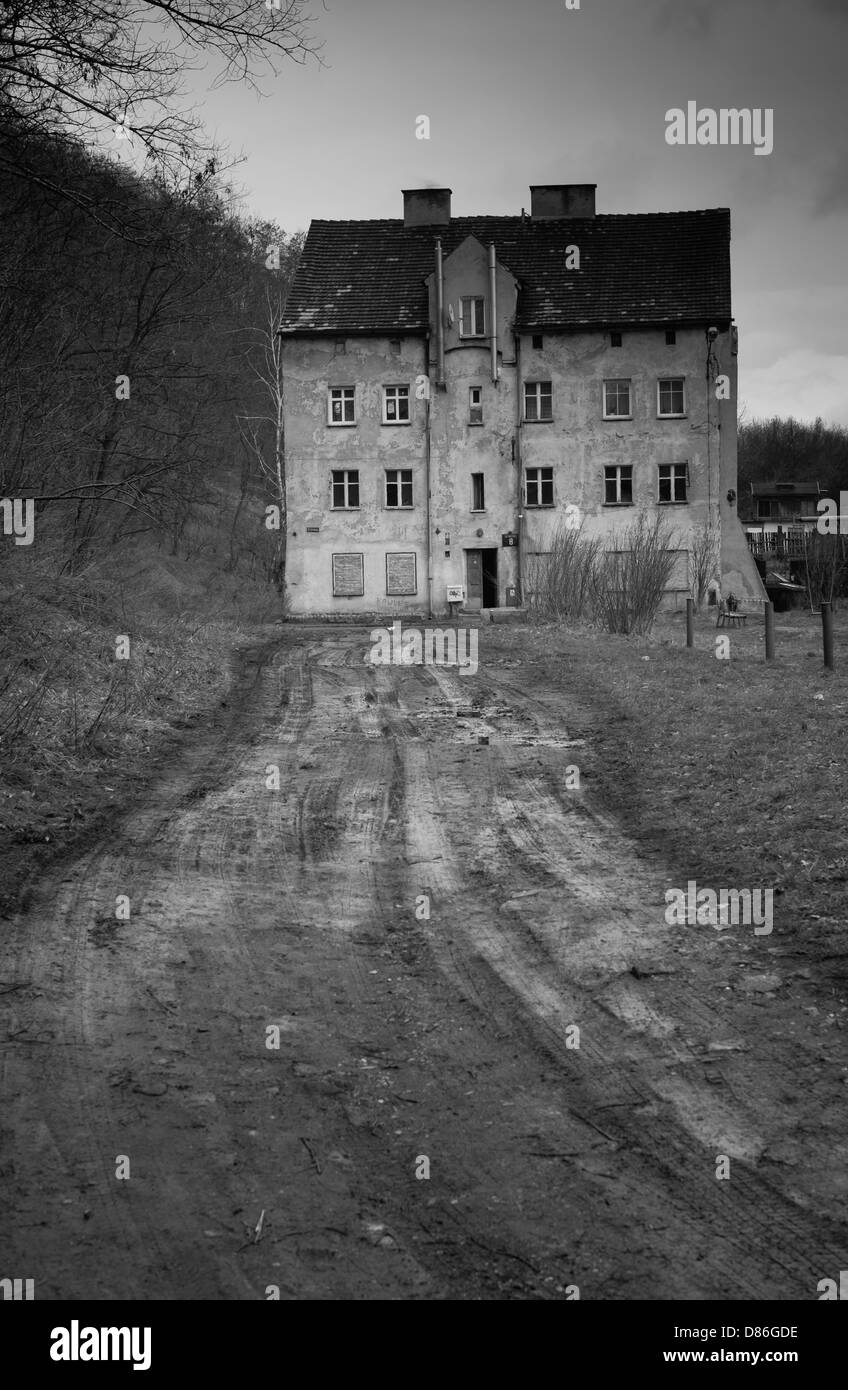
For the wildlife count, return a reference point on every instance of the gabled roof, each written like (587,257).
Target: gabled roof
(786,490)
(636,268)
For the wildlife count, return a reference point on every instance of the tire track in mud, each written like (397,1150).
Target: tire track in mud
(576,851)
(399,1037)
(103,985)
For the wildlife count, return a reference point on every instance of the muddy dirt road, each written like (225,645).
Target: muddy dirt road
(143,1045)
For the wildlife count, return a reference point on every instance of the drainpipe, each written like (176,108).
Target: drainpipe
(493,296)
(440,317)
(522,519)
(427,455)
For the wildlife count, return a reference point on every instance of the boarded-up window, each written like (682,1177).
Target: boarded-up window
(348,576)
(401,573)
(679,577)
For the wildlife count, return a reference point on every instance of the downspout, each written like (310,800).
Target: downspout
(440,317)
(493,297)
(427,455)
(522,520)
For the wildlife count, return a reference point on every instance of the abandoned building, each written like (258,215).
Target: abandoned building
(456,388)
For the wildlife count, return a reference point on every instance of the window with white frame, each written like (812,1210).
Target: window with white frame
(395,405)
(618,485)
(398,487)
(472,317)
(617,404)
(341,406)
(345,488)
(673,481)
(475,405)
(539,487)
(538,400)
(671,396)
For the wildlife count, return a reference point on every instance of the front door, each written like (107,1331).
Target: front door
(481,578)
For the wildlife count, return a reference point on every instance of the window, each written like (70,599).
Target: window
(345,487)
(538,400)
(670,337)
(395,405)
(538,340)
(764,508)
(672,482)
(478,493)
(617,398)
(539,487)
(618,485)
(615,340)
(348,576)
(670,397)
(398,487)
(472,318)
(475,405)
(340,406)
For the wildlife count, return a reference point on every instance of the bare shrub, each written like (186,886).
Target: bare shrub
(703,562)
(630,581)
(825,568)
(559,582)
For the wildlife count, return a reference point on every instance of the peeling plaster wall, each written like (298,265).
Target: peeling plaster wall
(577,444)
(459,448)
(739,573)
(310,367)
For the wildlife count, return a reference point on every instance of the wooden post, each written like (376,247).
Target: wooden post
(769,631)
(690,622)
(827,634)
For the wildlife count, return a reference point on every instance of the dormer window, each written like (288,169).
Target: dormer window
(472,317)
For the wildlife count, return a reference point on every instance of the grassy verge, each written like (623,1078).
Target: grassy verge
(734,770)
(81,729)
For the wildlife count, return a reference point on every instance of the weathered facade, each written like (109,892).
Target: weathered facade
(457,388)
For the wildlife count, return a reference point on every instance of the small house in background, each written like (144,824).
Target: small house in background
(782,514)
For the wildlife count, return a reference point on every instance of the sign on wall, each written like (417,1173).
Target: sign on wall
(509,539)
(401,573)
(456,593)
(348,576)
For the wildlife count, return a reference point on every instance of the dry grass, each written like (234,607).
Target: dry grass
(734,771)
(77,725)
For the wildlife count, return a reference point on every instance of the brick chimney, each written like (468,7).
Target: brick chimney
(562,200)
(426,207)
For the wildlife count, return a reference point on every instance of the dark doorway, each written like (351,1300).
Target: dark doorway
(481,573)
(490,578)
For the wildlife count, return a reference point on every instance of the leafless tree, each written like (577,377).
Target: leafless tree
(264,435)
(703,562)
(100,71)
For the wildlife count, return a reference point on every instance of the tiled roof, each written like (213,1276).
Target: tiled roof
(637,268)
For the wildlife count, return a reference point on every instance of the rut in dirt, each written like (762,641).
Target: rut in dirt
(421,925)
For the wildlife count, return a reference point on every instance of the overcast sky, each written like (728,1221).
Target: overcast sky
(527,91)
